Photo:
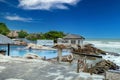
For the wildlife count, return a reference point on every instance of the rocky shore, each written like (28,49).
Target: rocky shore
(88,49)
(103,66)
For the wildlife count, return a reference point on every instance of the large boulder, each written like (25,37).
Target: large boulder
(32,56)
(89,49)
(3,52)
(103,66)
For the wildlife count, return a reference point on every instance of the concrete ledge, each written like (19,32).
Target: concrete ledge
(113,75)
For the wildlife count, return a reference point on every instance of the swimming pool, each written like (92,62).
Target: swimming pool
(20,51)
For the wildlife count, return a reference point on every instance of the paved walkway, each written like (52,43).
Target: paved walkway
(39,71)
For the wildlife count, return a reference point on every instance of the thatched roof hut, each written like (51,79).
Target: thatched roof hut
(60,46)
(5,40)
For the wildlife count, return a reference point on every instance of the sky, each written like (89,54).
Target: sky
(89,18)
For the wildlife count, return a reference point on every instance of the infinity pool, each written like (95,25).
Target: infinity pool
(20,51)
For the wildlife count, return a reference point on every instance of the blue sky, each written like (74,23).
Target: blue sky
(90,18)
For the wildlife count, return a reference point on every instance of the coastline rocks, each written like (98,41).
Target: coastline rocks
(32,56)
(68,58)
(103,66)
(89,49)
(20,42)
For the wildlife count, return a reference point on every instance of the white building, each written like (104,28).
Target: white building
(71,39)
(45,42)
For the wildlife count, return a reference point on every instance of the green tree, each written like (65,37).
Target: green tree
(4,29)
(22,34)
(48,35)
(54,35)
(32,37)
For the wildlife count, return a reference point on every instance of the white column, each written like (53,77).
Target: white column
(81,43)
(59,55)
(76,41)
(69,41)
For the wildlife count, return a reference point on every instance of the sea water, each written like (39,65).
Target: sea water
(109,45)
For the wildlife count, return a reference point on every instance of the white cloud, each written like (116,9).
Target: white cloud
(46,4)
(18,18)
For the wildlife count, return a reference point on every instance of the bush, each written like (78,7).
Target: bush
(22,34)
(4,29)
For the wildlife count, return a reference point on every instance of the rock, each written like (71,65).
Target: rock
(66,60)
(89,49)
(32,56)
(3,52)
(103,66)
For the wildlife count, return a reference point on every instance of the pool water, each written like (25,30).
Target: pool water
(21,51)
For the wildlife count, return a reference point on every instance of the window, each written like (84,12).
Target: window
(78,41)
(73,41)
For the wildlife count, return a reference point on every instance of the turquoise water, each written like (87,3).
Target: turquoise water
(20,51)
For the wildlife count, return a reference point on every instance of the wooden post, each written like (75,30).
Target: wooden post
(105,75)
(78,66)
(84,64)
(85,61)
(57,58)
(8,49)
(91,72)
(86,67)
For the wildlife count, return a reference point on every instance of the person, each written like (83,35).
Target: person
(30,48)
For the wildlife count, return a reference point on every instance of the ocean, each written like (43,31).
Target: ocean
(109,45)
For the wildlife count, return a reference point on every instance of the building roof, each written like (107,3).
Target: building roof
(5,40)
(73,36)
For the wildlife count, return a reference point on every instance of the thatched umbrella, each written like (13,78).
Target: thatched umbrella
(60,48)
(4,40)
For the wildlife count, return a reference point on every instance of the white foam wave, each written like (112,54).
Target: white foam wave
(115,59)
(111,46)
(104,44)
